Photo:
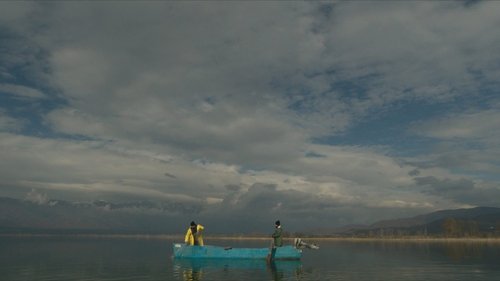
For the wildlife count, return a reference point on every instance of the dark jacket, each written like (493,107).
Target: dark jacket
(278,242)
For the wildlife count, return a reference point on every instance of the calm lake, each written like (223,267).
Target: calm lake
(91,259)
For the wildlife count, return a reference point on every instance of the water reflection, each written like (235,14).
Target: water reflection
(452,250)
(198,269)
(76,259)
(281,270)
(462,251)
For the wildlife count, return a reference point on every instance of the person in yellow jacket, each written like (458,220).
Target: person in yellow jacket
(194,235)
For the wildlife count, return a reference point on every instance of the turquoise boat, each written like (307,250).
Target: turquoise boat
(215,252)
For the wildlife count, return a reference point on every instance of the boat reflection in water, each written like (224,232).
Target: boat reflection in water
(235,269)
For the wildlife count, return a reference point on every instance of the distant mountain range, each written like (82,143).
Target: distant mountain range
(145,217)
(59,217)
(479,221)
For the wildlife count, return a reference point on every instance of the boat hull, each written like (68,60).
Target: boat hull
(215,252)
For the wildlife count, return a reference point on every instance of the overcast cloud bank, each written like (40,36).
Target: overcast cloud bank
(314,113)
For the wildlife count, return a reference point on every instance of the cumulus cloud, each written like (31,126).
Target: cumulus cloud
(195,103)
(20,91)
(464,191)
(36,197)
(480,125)
(385,53)
(466,142)
(208,66)
(7,123)
(12,12)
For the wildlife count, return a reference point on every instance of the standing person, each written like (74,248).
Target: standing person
(278,241)
(194,235)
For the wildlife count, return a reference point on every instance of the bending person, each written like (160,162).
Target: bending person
(194,235)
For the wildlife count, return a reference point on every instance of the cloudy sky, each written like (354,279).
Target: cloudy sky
(320,114)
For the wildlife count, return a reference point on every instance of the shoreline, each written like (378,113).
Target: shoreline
(249,238)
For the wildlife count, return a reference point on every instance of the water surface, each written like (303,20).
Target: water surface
(92,259)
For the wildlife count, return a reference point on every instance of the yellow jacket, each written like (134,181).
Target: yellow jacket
(189,239)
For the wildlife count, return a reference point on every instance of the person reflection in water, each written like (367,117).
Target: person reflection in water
(192,274)
(194,235)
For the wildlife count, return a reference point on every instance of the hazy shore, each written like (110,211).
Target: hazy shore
(242,237)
